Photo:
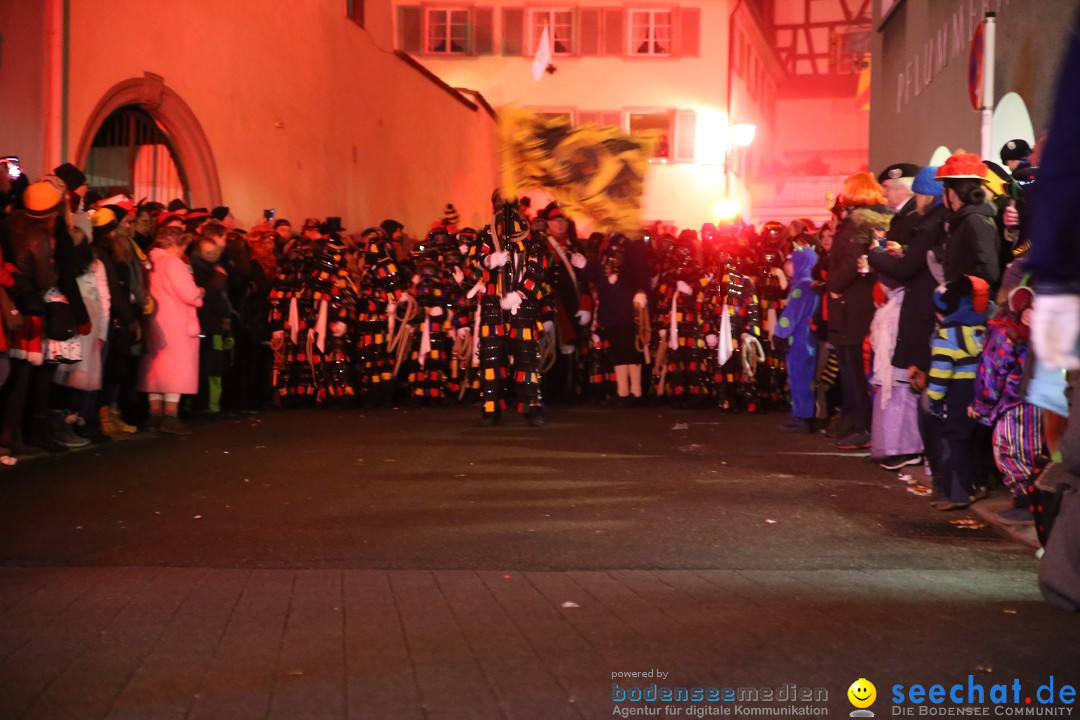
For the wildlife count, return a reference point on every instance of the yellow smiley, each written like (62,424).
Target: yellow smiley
(862,693)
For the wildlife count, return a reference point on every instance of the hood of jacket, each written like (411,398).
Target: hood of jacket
(874,217)
(802,264)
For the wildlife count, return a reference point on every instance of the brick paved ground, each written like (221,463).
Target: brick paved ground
(468,587)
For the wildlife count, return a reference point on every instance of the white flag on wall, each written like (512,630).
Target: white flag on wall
(543,55)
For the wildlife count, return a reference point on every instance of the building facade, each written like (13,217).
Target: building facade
(256,104)
(921,104)
(662,67)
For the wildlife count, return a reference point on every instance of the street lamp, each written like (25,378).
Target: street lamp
(740,135)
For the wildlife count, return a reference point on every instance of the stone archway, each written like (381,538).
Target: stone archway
(179,122)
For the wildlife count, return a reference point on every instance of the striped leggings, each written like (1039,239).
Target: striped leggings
(1018,443)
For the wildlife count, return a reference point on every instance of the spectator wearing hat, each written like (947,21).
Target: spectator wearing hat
(906,263)
(124,270)
(74,181)
(896,182)
(83,379)
(224,216)
(32,231)
(571,307)
(196,219)
(851,300)
(400,242)
(283,235)
(170,367)
(971,246)
(1015,154)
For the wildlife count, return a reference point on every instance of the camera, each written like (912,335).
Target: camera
(13,168)
(269,214)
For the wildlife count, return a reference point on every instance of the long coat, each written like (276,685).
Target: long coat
(850,313)
(917,318)
(171,363)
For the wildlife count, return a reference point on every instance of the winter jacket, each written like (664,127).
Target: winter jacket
(624,259)
(905,220)
(851,313)
(917,318)
(1001,371)
(955,350)
(971,247)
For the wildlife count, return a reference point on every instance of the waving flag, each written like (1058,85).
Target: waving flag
(593,172)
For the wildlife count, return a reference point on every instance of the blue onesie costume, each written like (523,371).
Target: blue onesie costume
(795,324)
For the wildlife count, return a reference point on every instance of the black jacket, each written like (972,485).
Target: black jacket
(971,246)
(851,313)
(616,300)
(903,223)
(917,317)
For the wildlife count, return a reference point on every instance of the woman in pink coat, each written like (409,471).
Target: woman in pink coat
(170,367)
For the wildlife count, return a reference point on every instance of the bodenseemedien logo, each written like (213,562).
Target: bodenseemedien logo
(862,695)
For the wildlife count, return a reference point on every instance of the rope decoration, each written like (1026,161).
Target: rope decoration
(401,340)
(753,354)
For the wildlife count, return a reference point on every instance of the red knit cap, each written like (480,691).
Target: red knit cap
(963,165)
(980,294)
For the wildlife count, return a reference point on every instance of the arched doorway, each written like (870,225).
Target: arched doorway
(132,154)
(173,135)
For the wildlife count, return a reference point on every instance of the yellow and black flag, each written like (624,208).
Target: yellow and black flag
(593,172)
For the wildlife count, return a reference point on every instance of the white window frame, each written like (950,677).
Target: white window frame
(547,13)
(448,10)
(651,39)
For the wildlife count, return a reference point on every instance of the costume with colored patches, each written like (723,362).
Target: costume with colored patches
(686,319)
(432,344)
(291,307)
(333,312)
(999,397)
(511,267)
(378,293)
(795,325)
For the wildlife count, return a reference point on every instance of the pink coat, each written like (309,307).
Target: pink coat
(171,362)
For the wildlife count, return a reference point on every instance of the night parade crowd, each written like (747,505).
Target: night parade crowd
(898,324)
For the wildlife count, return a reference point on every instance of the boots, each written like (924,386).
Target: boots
(112,425)
(171,425)
(62,425)
(535,416)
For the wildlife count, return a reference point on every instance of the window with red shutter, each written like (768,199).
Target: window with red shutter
(589,38)
(690,32)
(614,37)
(410,29)
(483,29)
(513,31)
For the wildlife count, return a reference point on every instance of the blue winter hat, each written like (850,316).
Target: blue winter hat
(925,184)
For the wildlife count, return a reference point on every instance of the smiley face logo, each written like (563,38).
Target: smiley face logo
(862,693)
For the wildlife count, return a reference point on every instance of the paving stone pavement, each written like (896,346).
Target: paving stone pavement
(511,636)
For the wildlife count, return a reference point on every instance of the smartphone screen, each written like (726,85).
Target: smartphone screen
(13,169)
